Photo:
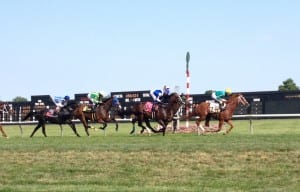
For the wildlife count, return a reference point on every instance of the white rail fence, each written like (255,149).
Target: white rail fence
(249,117)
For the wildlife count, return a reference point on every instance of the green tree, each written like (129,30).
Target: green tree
(19,99)
(288,85)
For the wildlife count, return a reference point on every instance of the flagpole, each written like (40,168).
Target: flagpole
(187,88)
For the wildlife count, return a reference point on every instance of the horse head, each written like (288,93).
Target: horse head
(175,102)
(174,98)
(239,98)
(242,100)
(111,103)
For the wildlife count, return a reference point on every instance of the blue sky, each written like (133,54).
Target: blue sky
(60,47)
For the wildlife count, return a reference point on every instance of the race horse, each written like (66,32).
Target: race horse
(65,116)
(103,113)
(204,111)
(162,113)
(4,108)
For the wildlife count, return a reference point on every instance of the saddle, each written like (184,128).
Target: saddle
(90,107)
(51,113)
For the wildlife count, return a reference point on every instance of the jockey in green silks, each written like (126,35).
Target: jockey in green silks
(96,97)
(219,96)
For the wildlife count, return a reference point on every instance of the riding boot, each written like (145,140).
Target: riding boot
(222,106)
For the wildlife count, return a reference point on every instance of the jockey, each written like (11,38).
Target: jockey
(219,96)
(61,102)
(158,94)
(166,90)
(96,97)
(66,100)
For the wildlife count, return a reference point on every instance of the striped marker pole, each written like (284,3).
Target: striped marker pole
(187,88)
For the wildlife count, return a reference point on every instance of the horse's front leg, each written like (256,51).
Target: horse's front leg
(221,122)
(148,126)
(85,125)
(231,127)
(116,122)
(72,125)
(101,121)
(175,124)
(140,124)
(104,126)
(133,121)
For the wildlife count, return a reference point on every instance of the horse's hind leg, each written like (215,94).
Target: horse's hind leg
(35,129)
(199,126)
(85,125)
(3,132)
(44,130)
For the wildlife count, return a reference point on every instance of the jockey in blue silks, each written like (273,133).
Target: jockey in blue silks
(157,94)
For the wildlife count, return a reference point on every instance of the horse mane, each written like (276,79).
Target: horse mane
(172,94)
(233,96)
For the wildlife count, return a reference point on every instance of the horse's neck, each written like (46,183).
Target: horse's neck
(172,108)
(232,105)
(107,105)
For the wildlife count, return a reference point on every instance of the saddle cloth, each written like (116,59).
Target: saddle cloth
(51,113)
(214,107)
(87,108)
(148,106)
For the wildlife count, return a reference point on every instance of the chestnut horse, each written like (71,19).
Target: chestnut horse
(63,117)
(163,115)
(202,110)
(102,114)
(4,108)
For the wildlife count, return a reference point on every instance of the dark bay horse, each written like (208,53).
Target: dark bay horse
(203,111)
(163,115)
(63,117)
(5,109)
(102,114)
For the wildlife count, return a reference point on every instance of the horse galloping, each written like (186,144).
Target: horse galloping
(65,116)
(103,113)
(204,112)
(4,108)
(163,114)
